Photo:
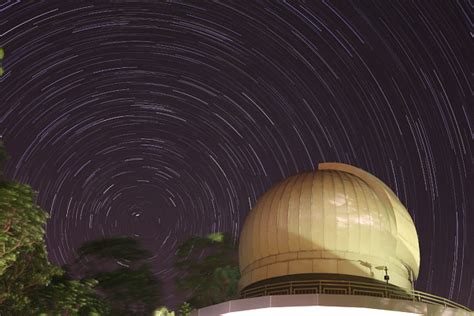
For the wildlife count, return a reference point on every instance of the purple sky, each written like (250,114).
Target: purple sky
(162,121)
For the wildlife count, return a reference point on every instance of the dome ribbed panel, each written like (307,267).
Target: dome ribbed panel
(374,219)
(251,234)
(317,212)
(294,213)
(282,216)
(407,245)
(342,217)
(365,225)
(273,220)
(352,213)
(305,221)
(339,219)
(386,234)
(244,252)
(263,243)
(329,211)
(256,228)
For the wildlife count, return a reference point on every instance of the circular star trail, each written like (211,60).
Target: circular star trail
(166,120)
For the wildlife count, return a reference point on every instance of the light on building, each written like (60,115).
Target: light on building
(318,310)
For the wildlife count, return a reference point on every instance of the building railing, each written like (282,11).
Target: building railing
(347,288)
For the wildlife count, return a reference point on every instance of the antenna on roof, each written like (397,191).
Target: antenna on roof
(386,276)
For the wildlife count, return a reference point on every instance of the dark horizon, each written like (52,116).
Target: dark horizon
(167,120)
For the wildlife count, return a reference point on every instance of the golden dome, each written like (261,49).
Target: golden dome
(337,220)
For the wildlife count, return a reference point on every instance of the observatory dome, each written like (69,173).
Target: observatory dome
(338,220)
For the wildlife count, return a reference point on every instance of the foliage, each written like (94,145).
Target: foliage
(24,278)
(23,261)
(163,311)
(132,289)
(64,296)
(29,283)
(60,295)
(21,222)
(208,269)
(185,309)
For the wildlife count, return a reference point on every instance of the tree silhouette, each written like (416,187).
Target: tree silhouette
(208,269)
(124,278)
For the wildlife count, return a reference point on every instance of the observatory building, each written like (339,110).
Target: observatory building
(336,241)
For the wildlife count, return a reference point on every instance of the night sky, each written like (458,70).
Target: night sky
(165,120)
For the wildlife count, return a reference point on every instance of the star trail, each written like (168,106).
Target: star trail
(168,119)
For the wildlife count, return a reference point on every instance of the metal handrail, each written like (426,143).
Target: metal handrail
(352,287)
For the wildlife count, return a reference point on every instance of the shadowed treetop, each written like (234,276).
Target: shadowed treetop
(117,248)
